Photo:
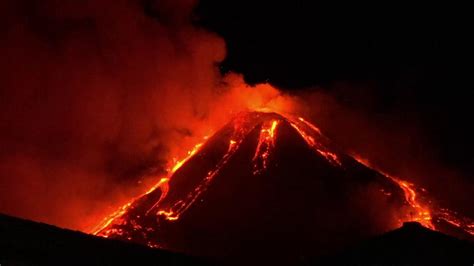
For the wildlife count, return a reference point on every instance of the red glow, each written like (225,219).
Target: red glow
(425,213)
(419,210)
(162,185)
(421,213)
(310,139)
(266,142)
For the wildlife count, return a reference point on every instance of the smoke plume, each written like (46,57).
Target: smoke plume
(96,96)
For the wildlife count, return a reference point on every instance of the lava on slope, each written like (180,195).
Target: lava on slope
(269,184)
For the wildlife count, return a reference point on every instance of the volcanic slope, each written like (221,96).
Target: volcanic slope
(265,185)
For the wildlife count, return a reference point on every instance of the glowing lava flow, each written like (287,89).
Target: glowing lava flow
(421,213)
(456,220)
(173,213)
(420,210)
(311,141)
(162,184)
(190,154)
(181,206)
(266,142)
(425,214)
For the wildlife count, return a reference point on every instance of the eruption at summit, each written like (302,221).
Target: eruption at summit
(266,183)
(146,121)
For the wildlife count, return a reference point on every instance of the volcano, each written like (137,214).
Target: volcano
(268,185)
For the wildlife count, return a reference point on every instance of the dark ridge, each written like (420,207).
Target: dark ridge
(24,242)
(412,244)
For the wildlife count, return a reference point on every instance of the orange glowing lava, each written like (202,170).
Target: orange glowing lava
(173,213)
(309,137)
(162,184)
(420,210)
(266,142)
(190,154)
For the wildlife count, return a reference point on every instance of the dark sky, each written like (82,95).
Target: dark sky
(410,60)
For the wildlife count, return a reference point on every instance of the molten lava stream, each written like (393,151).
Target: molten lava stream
(173,213)
(238,135)
(422,212)
(162,184)
(266,143)
(299,124)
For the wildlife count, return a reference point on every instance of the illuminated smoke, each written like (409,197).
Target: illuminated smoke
(98,98)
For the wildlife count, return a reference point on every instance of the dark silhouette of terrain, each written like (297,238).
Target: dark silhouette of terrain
(25,242)
(411,244)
